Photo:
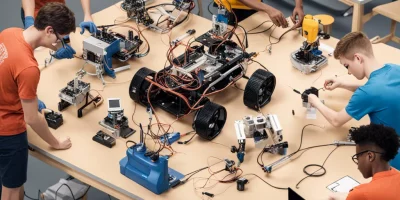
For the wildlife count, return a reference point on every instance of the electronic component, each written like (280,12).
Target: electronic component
(102,46)
(114,105)
(137,10)
(241,150)
(115,121)
(344,143)
(140,166)
(53,119)
(199,72)
(180,38)
(182,4)
(208,194)
(304,96)
(170,138)
(240,184)
(104,139)
(75,93)
(258,128)
(254,127)
(309,58)
(230,166)
(275,165)
(220,21)
(280,148)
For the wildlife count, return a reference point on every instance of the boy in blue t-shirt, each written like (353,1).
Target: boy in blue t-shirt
(379,97)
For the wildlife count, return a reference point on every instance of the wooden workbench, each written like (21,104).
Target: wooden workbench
(99,166)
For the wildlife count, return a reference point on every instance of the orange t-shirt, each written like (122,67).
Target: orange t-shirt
(40,3)
(19,78)
(384,185)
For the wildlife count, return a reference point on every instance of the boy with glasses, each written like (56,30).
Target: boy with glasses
(379,98)
(376,145)
(20,76)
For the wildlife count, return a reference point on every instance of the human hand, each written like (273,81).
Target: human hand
(332,83)
(89,25)
(29,21)
(277,17)
(313,99)
(299,13)
(41,105)
(67,52)
(63,143)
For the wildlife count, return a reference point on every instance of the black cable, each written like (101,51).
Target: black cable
(195,171)
(315,165)
(31,197)
(259,64)
(187,141)
(192,174)
(130,141)
(261,162)
(245,34)
(73,197)
(279,188)
(208,7)
(158,20)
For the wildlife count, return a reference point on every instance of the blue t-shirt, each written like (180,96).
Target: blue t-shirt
(380,99)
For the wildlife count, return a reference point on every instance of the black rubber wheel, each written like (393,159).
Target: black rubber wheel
(210,120)
(259,89)
(138,87)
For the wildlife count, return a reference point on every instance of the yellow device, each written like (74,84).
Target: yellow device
(308,58)
(310,28)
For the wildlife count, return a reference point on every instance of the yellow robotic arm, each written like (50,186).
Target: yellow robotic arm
(310,28)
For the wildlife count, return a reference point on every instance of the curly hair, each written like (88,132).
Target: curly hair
(382,136)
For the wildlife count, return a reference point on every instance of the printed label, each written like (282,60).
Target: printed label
(3,53)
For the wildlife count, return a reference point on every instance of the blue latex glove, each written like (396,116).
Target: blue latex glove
(90,26)
(67,52)
(29,21)
(41,105)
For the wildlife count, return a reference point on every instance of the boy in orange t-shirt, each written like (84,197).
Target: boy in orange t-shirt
(376,145)
(20,75)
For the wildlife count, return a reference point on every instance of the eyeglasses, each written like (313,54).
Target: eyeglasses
(59,39)
(357,155)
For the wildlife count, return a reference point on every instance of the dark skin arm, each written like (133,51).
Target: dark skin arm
(277,16)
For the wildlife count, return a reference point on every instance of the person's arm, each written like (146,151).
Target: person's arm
(333,83)
(27,81)
(29,11)
(276,16)
(337,119)
(87,21)
(350,86)
(37,122)
(29,7)
(299,13)
(86,10)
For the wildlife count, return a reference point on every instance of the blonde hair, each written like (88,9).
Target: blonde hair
(352,43)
